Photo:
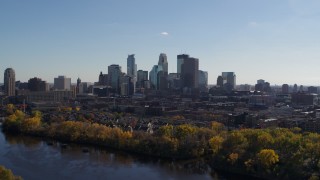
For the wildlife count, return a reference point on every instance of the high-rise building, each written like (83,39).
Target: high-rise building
(36,84)
(163,75)
(9,82)
(260,81)
(295,88)
(114,75)
(262,86)
(142,76)
(62,83)
(132,69)
(203,80)
(180,60)
(154,76)
(220,81)
(301,88)
(229,80)
(174,81)
(103,79)
(190,73)
(285,89)
(312,90)
(78,85)
(163,62)
(126,86)
(84,87)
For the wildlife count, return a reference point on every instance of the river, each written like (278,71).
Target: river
(36,159)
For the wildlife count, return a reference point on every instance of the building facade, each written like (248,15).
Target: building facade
(114,75)
(36,84)
(142,77)
(190,73)
(9,82)
(132,69)
(62,83)
(180,60)
(203,81)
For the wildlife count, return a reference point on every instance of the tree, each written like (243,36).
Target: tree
(182,131)
(216,144)
(267,158)
(37,114)
(217,127)
(10,108)
(6,174)
(233,158)
(166,131)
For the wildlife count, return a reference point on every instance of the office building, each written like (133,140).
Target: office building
(142,76)
(36,84)
(285,89)
(203,81)
(190,73)
(163,62)
(132,69)
(163,75)
(180,60)
(127,86)
(220,81)
(62,83)
(154,77)
(312,89)
(174,81)
(114,75)
(229,78)
(9,82)
(103,79)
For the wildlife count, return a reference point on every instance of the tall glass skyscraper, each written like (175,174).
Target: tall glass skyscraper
(114,77)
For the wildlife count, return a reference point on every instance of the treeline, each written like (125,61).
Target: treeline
(6,174)
(269,153)
(181,142)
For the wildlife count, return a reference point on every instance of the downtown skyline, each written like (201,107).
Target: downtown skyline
(271,40)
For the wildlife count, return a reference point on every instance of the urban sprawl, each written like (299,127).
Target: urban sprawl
(142,100)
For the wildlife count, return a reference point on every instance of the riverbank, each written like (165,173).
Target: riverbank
(268,153)
(6,174)
(181,142)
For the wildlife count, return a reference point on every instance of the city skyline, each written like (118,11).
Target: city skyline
(275,41)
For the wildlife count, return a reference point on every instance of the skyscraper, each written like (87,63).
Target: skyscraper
(285,89)
(142,76)
(203,80)
(132,69)
(9,82)
(163,75)
(78,85)
(103,79)
(180,60)
(229,80)
(220,81)
(154,76)
(190,73)
(114,75)
(163,62)
(62,83)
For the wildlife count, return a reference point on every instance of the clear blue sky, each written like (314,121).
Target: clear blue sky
(275,40)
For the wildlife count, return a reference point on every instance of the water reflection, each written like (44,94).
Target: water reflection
(34,158)
(29,142)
